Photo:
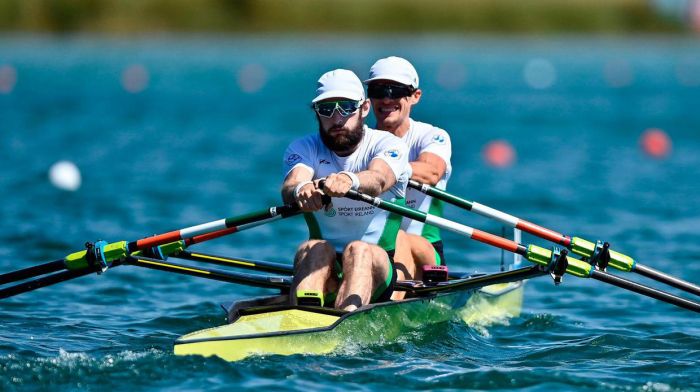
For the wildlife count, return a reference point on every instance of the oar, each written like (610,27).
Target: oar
(101,255)
(31,272)
(257,265)
(597,253)
(44,281)
(279,282)
(240,262)
(555,260)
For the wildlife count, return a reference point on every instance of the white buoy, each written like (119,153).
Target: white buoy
(540,74)
(65,175)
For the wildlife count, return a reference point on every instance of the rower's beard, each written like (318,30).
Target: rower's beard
(344,140)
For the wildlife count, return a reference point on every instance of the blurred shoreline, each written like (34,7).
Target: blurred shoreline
(127,17)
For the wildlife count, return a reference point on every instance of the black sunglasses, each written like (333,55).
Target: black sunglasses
(391,91)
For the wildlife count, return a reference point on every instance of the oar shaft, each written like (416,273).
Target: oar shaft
(102,255)
(499,242)
(441,223)
(31,272)
(645,290)
(209,229)
(257,265)
(121,249)
(43,282)
(279,282)
(665,278)
(210,236)
(493,213)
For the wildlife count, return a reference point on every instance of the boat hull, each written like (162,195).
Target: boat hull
(267,326)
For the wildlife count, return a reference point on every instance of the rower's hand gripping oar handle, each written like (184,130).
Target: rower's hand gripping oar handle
(325,198)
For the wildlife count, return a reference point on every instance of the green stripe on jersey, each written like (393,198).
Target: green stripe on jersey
(432,233)
(387,241)
(314,228)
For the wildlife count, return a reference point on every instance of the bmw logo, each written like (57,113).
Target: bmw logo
(394,153)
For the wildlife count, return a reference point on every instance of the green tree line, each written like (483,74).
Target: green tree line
(143,16)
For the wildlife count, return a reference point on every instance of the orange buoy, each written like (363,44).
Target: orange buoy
(499,153)
(655,143)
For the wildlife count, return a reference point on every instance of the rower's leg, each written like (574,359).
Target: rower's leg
(313,266)
(366,267)
(423,254)
(404,262)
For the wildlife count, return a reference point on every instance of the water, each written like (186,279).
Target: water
(203,140)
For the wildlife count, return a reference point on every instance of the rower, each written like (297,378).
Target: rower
(348,257)
(393,90)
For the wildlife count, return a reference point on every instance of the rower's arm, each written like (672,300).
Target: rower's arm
(377,179)
(429,168)
(296,176)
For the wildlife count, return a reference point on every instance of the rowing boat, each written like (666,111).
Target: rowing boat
(270,326)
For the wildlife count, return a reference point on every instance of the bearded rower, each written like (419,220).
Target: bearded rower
(348,257)
(392,87)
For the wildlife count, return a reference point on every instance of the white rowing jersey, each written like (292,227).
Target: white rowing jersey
(420,138)
(349,220)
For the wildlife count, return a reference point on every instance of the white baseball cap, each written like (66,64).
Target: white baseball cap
(396,69)
(339,83)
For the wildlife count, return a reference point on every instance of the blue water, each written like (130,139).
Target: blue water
(202,139)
